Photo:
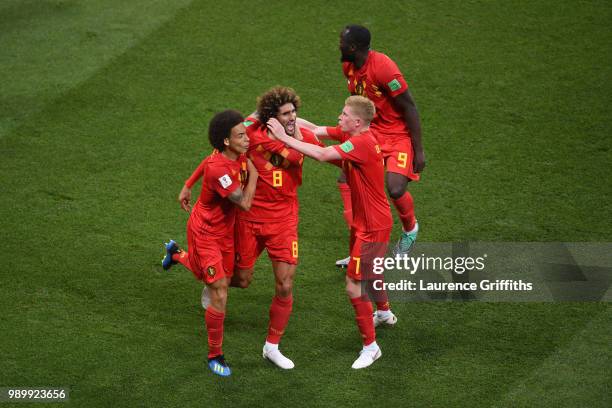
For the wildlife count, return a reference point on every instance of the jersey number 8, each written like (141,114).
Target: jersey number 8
(277,178)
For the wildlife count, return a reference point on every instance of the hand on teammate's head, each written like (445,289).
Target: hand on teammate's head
(276,129)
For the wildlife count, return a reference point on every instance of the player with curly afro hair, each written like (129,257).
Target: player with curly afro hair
(272,221)
(270,103)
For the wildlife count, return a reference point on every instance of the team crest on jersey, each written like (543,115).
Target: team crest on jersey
(347,146)
(225,181)
(211,271)
(276,160)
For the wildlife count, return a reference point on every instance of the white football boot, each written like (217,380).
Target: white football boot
(272,353)
(384,317)
(343,263)
(367,357)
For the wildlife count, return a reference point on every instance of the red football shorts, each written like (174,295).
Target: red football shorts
(398,154)
(212,258)
(365,246)
(280,239)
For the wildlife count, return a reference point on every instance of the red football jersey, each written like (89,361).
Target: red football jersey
(362,162)
(213,213)
(379,80)
(280,174)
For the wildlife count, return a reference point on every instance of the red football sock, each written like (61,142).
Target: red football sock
(280,310)
(363,315)
(345,193)
(214,327)
(382,305)
(183,258)
(379,296)
(405,210)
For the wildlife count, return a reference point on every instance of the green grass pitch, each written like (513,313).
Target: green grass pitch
(104,108)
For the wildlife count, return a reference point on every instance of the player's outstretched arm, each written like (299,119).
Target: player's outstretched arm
(411,115)
(319,131)
(244,199)
(316,152)
(301,122)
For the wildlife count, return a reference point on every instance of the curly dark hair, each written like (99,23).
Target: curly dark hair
(220,127)
(269,103)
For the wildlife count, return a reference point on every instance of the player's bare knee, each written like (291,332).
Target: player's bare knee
(245,281)
(242,278)
(353,288)
(284,288)
(218,296)
(352,292)
(395,191)
(396,184)
(219,304)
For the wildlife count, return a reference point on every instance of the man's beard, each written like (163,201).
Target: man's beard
(347,57)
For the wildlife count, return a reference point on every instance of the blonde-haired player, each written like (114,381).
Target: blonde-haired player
(361,159)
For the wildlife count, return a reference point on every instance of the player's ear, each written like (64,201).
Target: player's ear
(226,141)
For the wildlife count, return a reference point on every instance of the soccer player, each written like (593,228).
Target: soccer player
(362,162)
(272,221)
(210,229)
(396,125)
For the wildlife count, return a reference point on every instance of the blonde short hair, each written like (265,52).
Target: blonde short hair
(362,107)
